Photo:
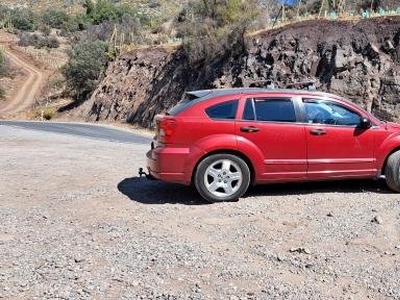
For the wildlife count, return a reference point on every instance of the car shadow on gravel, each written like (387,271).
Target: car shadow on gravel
(348,186)
(143,190)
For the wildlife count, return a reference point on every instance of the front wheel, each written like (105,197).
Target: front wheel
(392,171)
(222,177)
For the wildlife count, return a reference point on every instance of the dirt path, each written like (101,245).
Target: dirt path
(25,95)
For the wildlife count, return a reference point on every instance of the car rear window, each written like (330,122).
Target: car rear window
(270,109)
(181,105)
(224,110)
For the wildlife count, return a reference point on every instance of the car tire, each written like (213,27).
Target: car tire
(222,177)
(392,171)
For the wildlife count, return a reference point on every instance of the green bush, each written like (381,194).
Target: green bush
(48,113)
(51,42)
(4,16)
(55,18)
(107,10)
(3,72)
(213,28)
(38,41)
(75,23)
(86,64)
(23,19)
(2,93)
(4,65)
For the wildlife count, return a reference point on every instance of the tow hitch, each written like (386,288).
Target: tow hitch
(143,173)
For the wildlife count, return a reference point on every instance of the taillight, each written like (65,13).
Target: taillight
(165,128)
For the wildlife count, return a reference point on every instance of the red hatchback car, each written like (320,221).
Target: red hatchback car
(223,140)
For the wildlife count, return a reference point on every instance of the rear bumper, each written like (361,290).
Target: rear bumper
(170,164)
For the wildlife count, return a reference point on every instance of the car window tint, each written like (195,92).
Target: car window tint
(274,109)
(326,112)
(225,110)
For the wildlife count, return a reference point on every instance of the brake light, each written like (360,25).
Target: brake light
(165,128)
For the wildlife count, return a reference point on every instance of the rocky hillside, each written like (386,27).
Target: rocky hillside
(358,60)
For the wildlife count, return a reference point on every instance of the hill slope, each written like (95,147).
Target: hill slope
(357,60)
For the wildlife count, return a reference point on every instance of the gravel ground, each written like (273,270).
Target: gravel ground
(77,223)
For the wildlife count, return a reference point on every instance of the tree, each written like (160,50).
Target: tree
(213,28)
(54,18)
(3,71)
(86,64)
(23,19)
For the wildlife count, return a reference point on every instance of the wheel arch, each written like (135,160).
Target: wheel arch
(387,157)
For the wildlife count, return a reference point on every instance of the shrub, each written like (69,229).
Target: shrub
(74,23)
(52,42)
(3,72)
(4,15)
(87,62)
(38,41)
(4,65)
(48,113)
(107,10)
(2,93)
(45,29)
(211,28)
(23,19)
(54,18)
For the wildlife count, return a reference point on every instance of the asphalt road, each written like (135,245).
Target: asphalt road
(98,132)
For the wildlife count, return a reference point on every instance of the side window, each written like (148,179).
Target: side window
(270,109)
(225,110)
(325,112)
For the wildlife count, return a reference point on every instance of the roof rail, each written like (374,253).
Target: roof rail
(270,85)
(307,84)
(267,83)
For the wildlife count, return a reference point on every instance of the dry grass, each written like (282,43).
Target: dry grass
(354,19)
(71,7)
(170,47)
(165,8)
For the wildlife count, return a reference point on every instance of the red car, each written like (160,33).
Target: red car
(223,140)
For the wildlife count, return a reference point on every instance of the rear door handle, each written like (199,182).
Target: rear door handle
(317,131)
(249,129)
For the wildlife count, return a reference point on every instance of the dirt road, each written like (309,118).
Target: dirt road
(78,223)
(24,97)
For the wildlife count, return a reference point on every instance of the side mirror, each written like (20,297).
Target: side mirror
(365,123)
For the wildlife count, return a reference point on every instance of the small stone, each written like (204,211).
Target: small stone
(300,250)
(79,259)
(280,257)
(377,219)
(308,266)
(135,283)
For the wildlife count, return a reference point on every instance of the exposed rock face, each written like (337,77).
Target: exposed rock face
(360,61)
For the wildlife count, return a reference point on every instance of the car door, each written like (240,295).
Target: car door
(336,145)
(268,126)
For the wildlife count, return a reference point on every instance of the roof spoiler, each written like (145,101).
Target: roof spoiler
(199,93)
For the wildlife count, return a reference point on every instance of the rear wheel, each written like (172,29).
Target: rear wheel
(392,171)
(222,177)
